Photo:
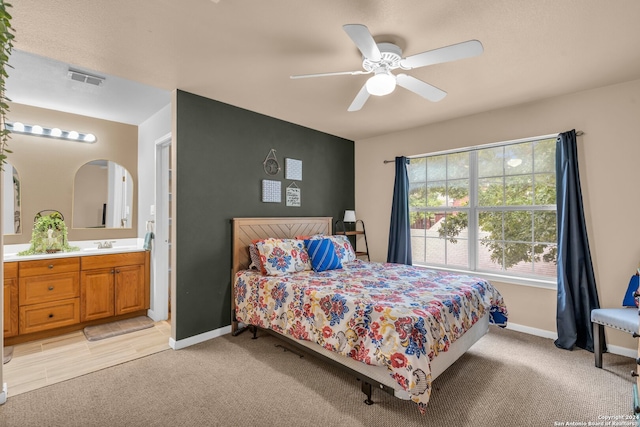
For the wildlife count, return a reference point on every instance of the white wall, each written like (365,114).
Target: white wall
(608,152)
(149,131)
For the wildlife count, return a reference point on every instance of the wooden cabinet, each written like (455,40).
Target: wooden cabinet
(48,293)
(97,297)
(114,285)
(10,299)
(50,296)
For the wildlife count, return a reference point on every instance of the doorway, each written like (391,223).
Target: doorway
(161,255)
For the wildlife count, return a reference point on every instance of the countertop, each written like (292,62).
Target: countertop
(87,248)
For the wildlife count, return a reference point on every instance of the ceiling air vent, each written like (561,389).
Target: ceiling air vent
(81,76)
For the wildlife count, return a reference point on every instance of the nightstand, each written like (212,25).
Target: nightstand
(341,228)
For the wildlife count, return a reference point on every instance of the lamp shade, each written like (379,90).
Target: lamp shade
(349,216)
(382,83)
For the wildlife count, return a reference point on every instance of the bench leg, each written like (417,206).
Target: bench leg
(598,343)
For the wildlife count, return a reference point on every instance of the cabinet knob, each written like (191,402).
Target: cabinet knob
(634,374)
(50,266)
(117,271)
(51,316)
(113,271)
(50,288)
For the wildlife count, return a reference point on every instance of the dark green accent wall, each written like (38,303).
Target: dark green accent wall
(219,153)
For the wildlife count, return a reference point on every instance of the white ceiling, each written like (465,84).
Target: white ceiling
(242,52)
(44,82)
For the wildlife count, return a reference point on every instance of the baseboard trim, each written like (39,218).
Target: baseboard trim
(622,351)
(532,331)
(197,339)
(613,349)
(156,317)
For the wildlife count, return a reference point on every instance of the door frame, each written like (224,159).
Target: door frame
(160,249)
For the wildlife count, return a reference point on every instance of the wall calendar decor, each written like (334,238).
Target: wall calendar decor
(293,169)
(293,195)
(271,191)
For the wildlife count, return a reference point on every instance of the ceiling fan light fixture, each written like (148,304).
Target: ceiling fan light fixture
(383,83)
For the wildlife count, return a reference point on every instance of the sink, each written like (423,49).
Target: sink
(112,249)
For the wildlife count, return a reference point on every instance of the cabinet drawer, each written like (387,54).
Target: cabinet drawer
(48,266)
(10,270)
(113,260)
(49,315)
(50,287)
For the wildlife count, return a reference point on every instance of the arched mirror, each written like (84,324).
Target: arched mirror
(102,196)
(11,215)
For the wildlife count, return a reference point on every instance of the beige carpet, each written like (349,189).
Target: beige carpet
(506,379)
(108,330)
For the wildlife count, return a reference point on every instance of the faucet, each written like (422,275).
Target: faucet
(106,244)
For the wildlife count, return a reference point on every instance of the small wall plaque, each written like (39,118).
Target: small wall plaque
(293,195)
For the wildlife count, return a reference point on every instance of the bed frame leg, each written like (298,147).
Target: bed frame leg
(255,333)
(366,389)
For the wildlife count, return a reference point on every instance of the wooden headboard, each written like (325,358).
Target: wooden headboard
(246,230)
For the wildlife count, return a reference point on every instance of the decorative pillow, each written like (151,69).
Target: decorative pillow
(283,256)
(255,258)
(314,236)
(343,247)
(323,254)
(629,300)
(345,251)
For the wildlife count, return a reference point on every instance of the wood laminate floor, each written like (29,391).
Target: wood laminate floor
(48,361)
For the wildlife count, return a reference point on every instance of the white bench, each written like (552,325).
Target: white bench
(622,319)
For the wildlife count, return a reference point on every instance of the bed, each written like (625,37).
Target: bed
(394,327)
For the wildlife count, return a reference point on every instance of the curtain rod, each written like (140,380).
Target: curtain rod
(578,133)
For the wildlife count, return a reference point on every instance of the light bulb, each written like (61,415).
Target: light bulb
(383,83)
(36,130)
(89,137)
(56,132)
(73,135)
(18,127)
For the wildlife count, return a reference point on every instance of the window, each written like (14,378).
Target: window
(489,209)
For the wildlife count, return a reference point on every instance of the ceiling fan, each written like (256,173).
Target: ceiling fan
(381,58)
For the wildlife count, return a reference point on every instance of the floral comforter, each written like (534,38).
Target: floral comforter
(391,315)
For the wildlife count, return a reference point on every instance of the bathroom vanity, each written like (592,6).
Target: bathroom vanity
(52,294)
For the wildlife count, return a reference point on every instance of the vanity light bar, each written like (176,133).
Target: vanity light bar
(38,130)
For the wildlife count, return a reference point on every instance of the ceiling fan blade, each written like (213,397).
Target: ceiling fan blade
(359,100)
(364,40)
(423,89)
(454,52)
(338,73)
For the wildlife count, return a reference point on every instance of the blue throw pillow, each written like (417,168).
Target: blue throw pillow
(629,300)
(322,254)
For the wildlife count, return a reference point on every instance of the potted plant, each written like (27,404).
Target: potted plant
(49,235)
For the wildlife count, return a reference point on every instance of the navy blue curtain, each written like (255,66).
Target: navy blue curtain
(577,294)
(399,251)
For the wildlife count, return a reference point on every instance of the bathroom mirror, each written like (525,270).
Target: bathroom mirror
(102,196)
(11,215)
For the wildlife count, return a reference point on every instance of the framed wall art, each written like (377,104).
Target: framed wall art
(293,169)
(271,191)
